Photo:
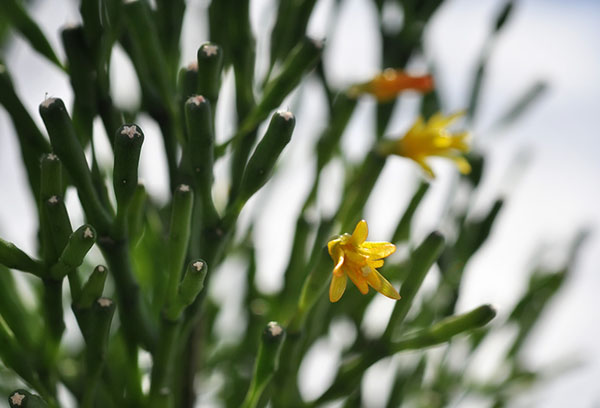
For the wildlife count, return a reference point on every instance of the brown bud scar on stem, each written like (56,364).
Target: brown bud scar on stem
(48,101)
(17,398)
(287,115)
(210,50)
(274,328)
(197,100)
(104,302)
(87,233)
(130,131)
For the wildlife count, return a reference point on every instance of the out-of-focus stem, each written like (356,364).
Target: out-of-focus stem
(133,312)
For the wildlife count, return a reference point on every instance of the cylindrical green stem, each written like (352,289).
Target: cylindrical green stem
(359,190)
(144,34)
(127,147)
(83,79)
(179,235)
(444,330)
(13,257)
(25,399)
(55,225)
(210,64)
(72,255)
(51,181)
(188,289)
(161,388)
(93,288)
(350,373)
(101,314)
(187,82)
(402,232)
(134,313)
(15,358)
(68,149)
(261,163)
(136,214)
(314,286)
(266,364)
(31,141)
(300,60)
(421,261)
(201,143)
(56,228)
(19,318)
(53,312)
(161,391)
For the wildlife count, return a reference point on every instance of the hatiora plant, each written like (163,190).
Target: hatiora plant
(148,291)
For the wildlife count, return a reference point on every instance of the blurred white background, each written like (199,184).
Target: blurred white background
(551,198)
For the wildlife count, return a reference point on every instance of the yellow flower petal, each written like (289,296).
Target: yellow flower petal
(338,257)
(360,233)
(359,281)
(431,138)
(330,247)
(426,168)
(357,259)
(381,285)
(337,287)
(463,165)
(375,264)
(417,127)
(440,121)
(442,142)
(379,250)
(459,141)
(373,279)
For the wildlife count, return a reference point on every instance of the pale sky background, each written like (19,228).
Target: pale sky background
(547,201)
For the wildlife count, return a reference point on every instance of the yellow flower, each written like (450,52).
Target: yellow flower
(387,85)
(356,259)
(431,138)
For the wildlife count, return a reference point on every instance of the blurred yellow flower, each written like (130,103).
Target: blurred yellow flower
(356,259)
(387,85)
(431,138)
